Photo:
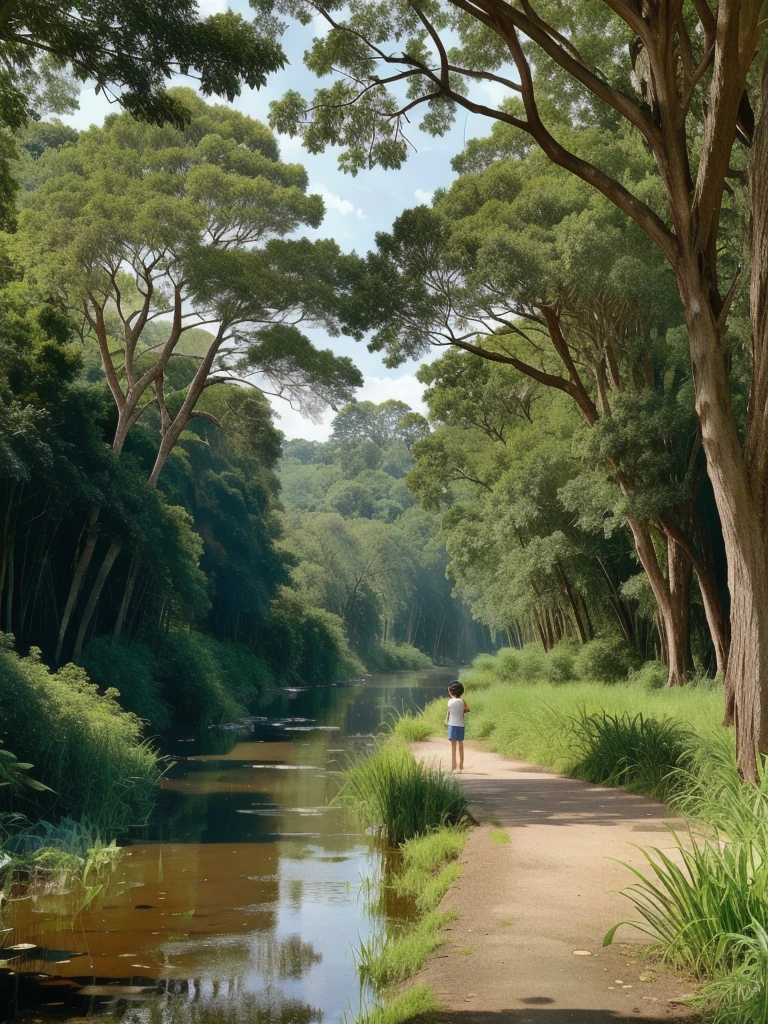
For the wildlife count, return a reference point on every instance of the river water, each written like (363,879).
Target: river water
(245,895)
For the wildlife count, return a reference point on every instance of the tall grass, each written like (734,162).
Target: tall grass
(84,747)
(633,751)
(390,789)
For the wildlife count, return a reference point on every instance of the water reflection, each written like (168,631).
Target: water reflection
(241,900)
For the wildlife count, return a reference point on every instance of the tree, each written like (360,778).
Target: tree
(130,51)
(525,268)
(686,80)
(500,469)
(152,233)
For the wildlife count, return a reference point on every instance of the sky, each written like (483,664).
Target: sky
(356,207)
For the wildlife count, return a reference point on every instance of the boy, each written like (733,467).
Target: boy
(454,719)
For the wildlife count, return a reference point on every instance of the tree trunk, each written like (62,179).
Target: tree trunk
(127,593)
(672,595)
(78,577)
(106,566)
(676,617)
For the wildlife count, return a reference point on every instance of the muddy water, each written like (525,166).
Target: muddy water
(244,895)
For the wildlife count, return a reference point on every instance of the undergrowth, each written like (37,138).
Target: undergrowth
(84,747)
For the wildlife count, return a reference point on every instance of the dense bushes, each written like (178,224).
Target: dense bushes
(82,744)
(606,659)
(390,656)
(189,678)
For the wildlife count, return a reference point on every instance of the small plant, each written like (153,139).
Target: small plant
(500,836)
(633,751)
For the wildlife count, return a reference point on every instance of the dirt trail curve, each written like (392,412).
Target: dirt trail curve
(526,905)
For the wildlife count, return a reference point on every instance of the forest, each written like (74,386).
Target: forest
(582,497)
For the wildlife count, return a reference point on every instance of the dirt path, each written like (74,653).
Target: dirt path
(526,905)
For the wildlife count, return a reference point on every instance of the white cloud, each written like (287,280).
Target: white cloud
(212,7)
(375,389)
(333,202)
(423,197)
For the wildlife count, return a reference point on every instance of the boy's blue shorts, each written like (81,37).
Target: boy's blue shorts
(455,732)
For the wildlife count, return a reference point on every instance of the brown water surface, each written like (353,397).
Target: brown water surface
(242,899)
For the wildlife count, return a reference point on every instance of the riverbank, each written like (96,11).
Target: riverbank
(532,912)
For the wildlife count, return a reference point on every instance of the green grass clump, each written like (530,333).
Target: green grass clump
(707,913)
(718,891)
(500,836)
(740,995)
(633,751)
(401,1008)
(429,867)
(83,746)
(389,788)
(412,728)
(386,963)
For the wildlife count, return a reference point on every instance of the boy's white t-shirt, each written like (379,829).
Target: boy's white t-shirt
(456,711)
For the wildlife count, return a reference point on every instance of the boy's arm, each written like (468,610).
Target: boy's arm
(447,714)
(467,708)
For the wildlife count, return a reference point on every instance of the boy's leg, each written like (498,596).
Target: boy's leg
(461,755)
(453,755)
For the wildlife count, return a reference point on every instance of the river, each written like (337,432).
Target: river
(244,896)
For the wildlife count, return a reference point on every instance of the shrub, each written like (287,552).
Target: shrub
(192,681)
(242,672)
(82,744)
(560,663)
(390,789)
(533,661)
(506,663)
(651,676)
(621,750)
(130,669)
(390,656)
(605,659)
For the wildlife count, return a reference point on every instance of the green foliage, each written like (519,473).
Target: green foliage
(391,656)
(605,659)
(637,752)
(652,675)
(391,790)
(364,552)
(83,745)
(130,669)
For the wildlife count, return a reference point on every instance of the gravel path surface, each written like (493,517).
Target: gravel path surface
(531,909)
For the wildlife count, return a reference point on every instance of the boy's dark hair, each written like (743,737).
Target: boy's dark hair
(455,688)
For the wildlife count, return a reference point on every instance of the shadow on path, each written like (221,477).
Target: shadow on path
(544,1015)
